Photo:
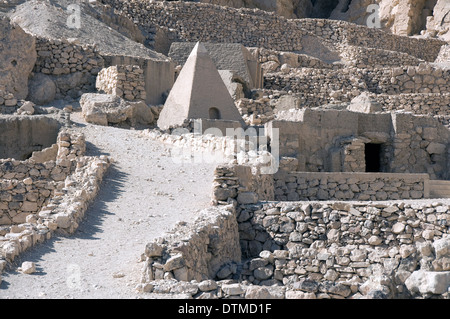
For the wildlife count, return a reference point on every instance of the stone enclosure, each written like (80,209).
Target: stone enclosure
(334,182)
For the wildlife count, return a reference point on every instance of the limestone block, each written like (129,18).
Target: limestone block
(428,282)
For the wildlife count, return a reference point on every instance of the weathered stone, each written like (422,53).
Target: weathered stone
(428,282)
(174,262)
(18,56)
(28,267)
(153,250)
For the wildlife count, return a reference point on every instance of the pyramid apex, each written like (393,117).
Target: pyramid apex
(199,48)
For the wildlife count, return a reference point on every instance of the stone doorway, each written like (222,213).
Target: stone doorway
(372,156)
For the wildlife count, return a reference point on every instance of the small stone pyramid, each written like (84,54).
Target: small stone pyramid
(198,93)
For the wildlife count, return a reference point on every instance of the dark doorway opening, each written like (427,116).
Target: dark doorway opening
(214,114)
(372,153)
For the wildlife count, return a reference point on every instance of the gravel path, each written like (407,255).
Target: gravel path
(144,193)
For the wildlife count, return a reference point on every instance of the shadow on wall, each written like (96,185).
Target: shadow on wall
(20,136)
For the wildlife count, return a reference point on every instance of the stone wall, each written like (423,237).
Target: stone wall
(194,251)
(193,22)
(368,58)
(318,86)
(322,86)
(27,186)
(273,60)
(70,66)
(125,81)
(294,186)
(260,110)
(424,78)
(362,36)
(344,249)
(255,112)
(305,250)
(418,103)
(41,198)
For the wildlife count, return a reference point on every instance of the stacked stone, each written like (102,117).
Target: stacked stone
(27,186)
(194,251)
(349,186)
(125,81)
(255,112)
(342,243)
(256,28)
(350,82)
(424,78)
(351,34)
(313,251)
(55,195)
(418,103)
(19,198)
(318,86)
(423,141)
(193,22)
(70,146)
(19,170)
(66,209)
(58,57)
(273,60)
(368,58)
(225,185)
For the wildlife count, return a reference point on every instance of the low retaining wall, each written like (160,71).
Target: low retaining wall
(194,251)
(341,248)
(39,199)
(296,186)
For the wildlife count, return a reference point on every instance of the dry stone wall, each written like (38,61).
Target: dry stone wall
(368,58)
(39,199)
(70,67)
(125,81)
(256,28)
(193,22)
(27,186)
(356,35)
(347,83)
(194,251)
(343,249)
(295,186)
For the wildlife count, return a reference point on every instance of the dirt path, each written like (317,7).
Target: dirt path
(143,194)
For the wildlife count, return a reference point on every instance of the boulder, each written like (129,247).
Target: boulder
(41,89)
(104,109)
(424,282)
(17,59)
(364,104)
(28,267)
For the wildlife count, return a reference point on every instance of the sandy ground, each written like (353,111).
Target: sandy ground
(144,193)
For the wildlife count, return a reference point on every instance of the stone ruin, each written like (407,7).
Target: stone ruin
(338,188)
